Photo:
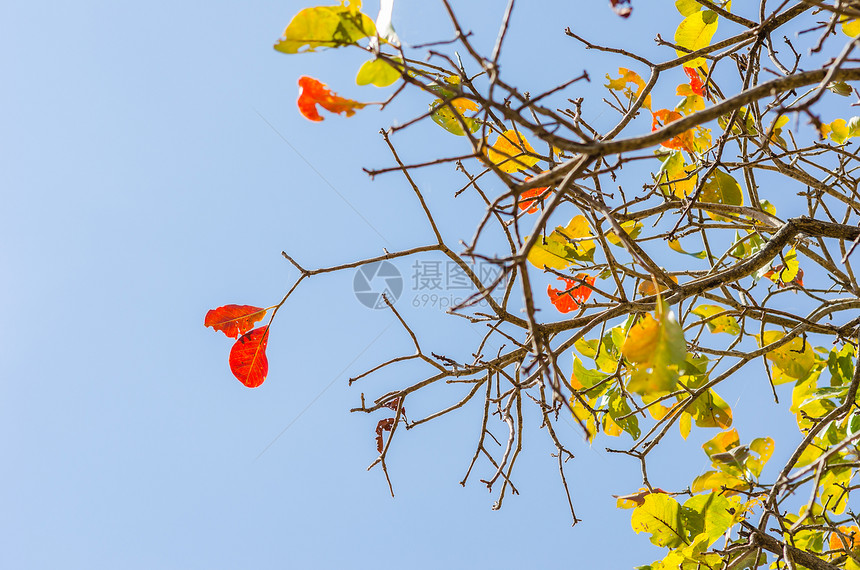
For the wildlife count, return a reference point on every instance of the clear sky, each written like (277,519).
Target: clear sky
(154,167)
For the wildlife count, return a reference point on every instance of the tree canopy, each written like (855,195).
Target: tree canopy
(640,270)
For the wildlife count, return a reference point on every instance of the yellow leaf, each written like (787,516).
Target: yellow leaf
(621,84)
(716,481)
(841,130)
(552,251)
(722,442)
(710,410)
(724,323)
(676,245)
(564,246)
(509,152)
(642,340)
(685,424)
(691,102)
(658,346)
(851,28)
(789,271)
(694,33)
(796,358)
(687,7)
(326,26)
(377,72)
(576,231)
(631,227)
(646,288)
(660,516)
(676,178)
(763,446)
(832,489)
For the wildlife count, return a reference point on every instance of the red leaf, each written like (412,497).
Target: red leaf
(248,357)
(663,117)
(531,206)
(314,93)
(696,85)
(575,292)
(234,320)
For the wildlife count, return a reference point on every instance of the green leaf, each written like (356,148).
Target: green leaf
(377,72)
(724,323)
(585,377)
(618,407)
(751,245)
(449,119)
(660,516)
(606,359)
(708,514)
(853,424)
(841,365)
(327,27)
(709,410)
(694,33)
(721,188)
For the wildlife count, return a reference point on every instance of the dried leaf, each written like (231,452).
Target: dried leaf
(385,424)
(621,7)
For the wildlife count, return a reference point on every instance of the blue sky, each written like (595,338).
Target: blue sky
(146,180)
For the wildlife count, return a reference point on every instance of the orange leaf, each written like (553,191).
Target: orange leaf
(314,93)
(234,320)
(852,538)
(531,206)
(684,141)
(696,84)
(575,292)
(248,357)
